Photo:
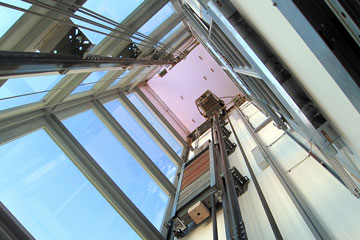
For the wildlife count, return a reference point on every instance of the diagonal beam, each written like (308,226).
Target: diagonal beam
(150,129)
(98,177)
(134,149)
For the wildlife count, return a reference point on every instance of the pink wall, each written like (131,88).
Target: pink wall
(190,78)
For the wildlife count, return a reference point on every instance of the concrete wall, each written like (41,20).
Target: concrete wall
(333,204)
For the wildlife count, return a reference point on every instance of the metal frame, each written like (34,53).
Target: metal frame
(268,92)
(26,123)
(320,50)
(310,219)
(150,129)
(22,120)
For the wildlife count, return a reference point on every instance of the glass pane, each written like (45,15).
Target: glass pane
(89,82)
(160,17)
(122,76)
(172,31)
(51,197)
(20,86)
(155,123)
(119,165)
(116,10)
(10,16)
(145,142)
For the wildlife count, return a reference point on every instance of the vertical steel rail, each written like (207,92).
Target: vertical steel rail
(309,217)
(224,202)
(213,217)
(266,207)
(234,208)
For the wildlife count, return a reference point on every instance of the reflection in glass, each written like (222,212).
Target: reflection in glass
(51,197)
(119,165)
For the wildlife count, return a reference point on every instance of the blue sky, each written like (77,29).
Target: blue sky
(19,86)
(116,10)
(10,16)
(51,197)
(53,200)
(155,123)
(92,78)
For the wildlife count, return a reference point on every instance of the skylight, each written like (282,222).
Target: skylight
(171,32)
(116,10)
(48,194)
(10,16)
(117,162)
(139,135)
(121,77)
(89,82)
(19,87)
(160,17)
(155,123)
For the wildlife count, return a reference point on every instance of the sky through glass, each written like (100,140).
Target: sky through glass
(52,199)
(117,162)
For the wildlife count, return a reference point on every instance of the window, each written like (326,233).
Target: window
(156,20)
(19,87)
(145,142)
(119,165)
(122,76)
(89,82)
(155,123)
(171,32)
(116,10)
(10,16)
(51,197)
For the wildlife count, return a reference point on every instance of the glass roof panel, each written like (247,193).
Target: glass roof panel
(118,163)
(155,123)
(171,32)
(121,77)
(89,82)
(139,135)
(10,16)
(19,87)
(48,194)
(116,10)
(164,13)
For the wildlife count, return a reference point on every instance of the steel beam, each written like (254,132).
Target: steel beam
(10,227)
(270,217)
(150,129)
(19,63)
(102,182)
(130,145)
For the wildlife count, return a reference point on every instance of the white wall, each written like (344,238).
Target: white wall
(287,44)
(332,203)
